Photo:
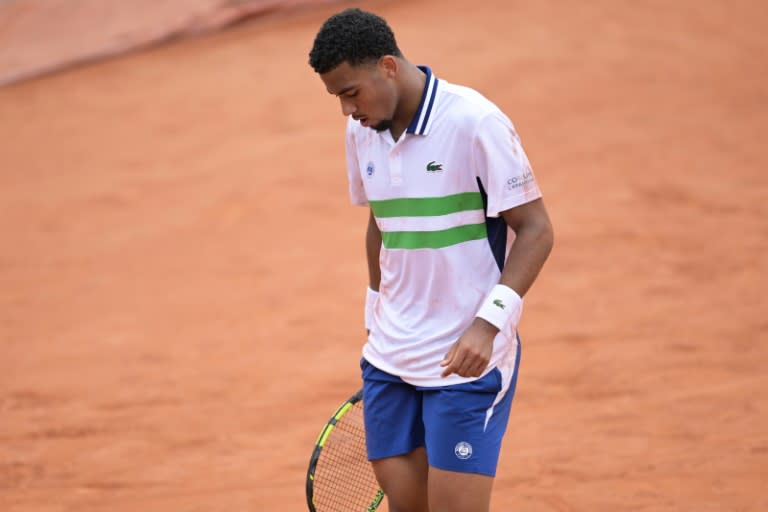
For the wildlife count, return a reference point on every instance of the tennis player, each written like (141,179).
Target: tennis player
(456,236)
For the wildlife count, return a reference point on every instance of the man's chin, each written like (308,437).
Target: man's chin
(382,126)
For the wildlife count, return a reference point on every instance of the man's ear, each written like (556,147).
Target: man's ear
(389,65)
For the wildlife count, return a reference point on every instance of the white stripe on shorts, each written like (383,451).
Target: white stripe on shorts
(507,369)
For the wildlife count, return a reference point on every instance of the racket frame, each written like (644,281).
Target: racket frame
(320,443)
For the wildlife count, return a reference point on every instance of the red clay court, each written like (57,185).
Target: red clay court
(182,275)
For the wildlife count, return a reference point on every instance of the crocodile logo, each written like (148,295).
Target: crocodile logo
(498,303)
(434,166)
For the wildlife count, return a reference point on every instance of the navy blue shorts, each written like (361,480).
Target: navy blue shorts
(460,426)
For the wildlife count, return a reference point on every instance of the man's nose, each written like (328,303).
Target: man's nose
(347,107)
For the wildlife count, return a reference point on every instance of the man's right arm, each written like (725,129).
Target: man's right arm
(372,250)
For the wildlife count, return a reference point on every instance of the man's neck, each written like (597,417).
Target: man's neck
(412,90)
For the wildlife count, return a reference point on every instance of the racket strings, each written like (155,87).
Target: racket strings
(344,479)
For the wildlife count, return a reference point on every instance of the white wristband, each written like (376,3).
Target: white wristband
(502,308)
(371,296)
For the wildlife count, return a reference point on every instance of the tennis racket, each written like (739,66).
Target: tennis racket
(340,478)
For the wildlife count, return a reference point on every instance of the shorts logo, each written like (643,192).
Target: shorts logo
(369,170)
(463,450)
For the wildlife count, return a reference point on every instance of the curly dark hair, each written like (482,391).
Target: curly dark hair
(354,36)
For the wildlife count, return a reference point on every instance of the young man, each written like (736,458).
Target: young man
(449,189)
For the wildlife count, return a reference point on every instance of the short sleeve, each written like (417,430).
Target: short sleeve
(502,165)
(356,189)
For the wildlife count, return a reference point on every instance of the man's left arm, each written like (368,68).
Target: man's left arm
(534,238)
(533,242)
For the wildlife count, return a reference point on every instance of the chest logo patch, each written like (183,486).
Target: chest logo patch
(370,169)
(434,167)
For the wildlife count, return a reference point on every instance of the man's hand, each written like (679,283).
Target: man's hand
(471,353)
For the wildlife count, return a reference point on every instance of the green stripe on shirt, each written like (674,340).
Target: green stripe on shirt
(433,239)
(427,206)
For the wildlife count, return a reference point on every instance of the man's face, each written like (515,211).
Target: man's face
(367,91)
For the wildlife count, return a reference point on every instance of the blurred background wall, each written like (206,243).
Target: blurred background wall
(38,36)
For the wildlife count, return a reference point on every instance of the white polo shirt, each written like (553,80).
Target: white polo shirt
(436,194)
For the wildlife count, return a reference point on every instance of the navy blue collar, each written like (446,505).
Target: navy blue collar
(420,122)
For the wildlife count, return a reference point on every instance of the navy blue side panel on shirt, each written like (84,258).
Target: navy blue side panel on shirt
(497,231)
